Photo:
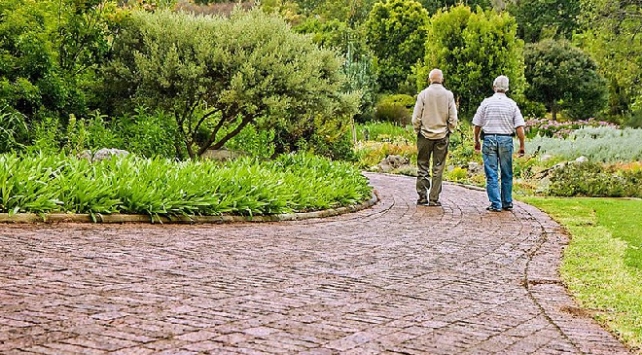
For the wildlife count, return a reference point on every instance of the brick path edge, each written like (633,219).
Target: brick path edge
(141,218)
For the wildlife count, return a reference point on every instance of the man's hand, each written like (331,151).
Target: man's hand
(521,152)
(477,146)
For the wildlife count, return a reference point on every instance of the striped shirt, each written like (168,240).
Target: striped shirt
(498,114)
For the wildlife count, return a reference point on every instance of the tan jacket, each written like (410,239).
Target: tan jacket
(435,113)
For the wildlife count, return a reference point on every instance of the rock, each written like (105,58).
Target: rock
(582,159)
(85,154)
(221,154)
(397,161)
(474,168)
(545,157)
(106,153)
(392,162)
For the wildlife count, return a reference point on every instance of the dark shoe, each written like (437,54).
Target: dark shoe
(493,209)
(508,208)
(434,203)
(422,202)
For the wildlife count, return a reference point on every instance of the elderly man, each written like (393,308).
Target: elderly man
(434,118)
(497,120)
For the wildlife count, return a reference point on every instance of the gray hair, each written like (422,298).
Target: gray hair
(436,76)
(501,83)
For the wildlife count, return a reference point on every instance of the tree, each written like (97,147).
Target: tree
(433,6)
(611,35)
(563,77)
(358,66)
(540,19)
(49,51)
(396,33)
(472,48)
(216,76)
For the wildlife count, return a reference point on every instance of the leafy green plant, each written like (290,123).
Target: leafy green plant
(148,134)
(76,139)
(101,134)
(163,187)
(13,129)
(46,136)
(254,141)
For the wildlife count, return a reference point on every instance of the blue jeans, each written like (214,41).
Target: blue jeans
(497,152)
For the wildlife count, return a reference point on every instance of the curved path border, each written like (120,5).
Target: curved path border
(139,218)
(393,279)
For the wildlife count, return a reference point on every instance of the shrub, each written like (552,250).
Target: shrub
(545,127)
(457,174)
(254,141)
(13,129)
(370,154)
(395,108)
(634,120)
(161,187)
(599,144)
(148,134)
(594,180)
(212,73)
(386,132)
(563,77)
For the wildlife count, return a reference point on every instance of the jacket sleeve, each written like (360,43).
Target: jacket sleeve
(452,115)
(417,113)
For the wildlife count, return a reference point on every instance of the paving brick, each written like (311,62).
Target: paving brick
(393,278)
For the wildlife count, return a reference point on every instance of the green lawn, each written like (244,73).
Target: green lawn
(602,265)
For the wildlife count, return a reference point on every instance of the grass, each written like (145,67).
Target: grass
(602,266)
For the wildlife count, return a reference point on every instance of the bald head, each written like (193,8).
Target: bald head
(436,76)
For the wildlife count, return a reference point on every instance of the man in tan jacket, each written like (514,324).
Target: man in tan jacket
(434,118)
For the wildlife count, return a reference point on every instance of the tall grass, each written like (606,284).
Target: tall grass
(161,187)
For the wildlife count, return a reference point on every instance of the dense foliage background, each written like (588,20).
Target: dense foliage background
(89,74)
(190,79)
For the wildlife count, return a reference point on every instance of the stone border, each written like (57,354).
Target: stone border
(139,218)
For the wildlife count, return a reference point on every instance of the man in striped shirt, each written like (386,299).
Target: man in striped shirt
(496,122)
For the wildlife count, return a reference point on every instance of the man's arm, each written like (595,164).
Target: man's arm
(477,132)
(452,115)
(520,136)
(519,129)
(417,112)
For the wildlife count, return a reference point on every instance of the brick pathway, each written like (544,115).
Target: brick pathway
(392,279)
